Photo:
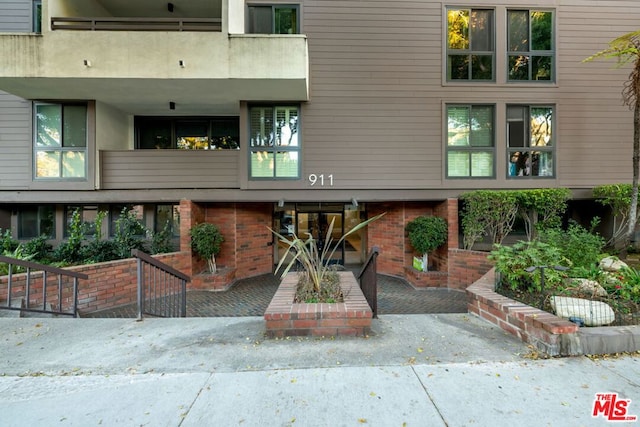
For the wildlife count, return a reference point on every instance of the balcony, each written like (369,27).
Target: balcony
(169,169)
(138,64)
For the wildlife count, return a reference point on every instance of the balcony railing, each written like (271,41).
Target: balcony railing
(137,24)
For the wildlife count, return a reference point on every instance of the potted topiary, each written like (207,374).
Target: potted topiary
(206,240)
(426,233)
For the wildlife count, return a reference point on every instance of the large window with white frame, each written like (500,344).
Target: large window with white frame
(530,141)
(470,141)
(530,45)
(60,146)
(274,146)
(470,44)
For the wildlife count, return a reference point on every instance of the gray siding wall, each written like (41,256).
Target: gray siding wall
(15,142)
(375,119)
(15,16)
(170,169)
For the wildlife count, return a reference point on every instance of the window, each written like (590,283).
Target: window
(530,45)
(60,141)
(274,143)
(470,44)
(88,215)
(197,133)
(530,141)
(37,16)
(167,216)
(36,221)
(470,141)
(273,19)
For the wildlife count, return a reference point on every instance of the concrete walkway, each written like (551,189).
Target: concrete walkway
(250,297)
(413,370)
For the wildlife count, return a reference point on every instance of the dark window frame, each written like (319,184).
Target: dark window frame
(39,222)
(272,8)
(471,53)
(62,148)
(526,161)
(271,148)
(471,148)
(215,140)
(525,56)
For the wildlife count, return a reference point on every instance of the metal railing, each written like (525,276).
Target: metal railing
(162,290)
(35,292)
(136,24)
(368,278)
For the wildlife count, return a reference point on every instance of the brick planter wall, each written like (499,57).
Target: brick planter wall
(110,284)
(547,332)
(286,318)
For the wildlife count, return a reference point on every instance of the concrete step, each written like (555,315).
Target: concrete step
(15,303)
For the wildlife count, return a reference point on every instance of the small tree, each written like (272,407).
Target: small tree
(427,233)
(626,49)
(206,241)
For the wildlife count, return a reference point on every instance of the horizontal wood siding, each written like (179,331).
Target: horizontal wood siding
(15,16)
(15,143)
(142,169)
(375,119)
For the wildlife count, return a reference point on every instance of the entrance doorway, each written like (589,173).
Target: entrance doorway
(304,219)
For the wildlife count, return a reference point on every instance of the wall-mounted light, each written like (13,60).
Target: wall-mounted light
(170,7)
(354,202)
(172,105)
(281,203)
(181,63)
(87,63)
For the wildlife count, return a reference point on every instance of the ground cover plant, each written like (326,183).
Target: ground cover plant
(86,244)
(577,252)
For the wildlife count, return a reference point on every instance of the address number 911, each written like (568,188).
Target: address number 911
(321,180)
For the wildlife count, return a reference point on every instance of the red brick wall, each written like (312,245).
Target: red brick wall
(546,331)
(246,249)
(254,252)
(110,284)
(465,267)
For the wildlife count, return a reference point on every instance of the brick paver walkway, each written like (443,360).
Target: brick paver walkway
(250,297)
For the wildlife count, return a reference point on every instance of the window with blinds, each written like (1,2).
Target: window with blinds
(274,146)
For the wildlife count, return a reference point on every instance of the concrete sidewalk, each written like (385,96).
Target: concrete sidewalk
(414,370)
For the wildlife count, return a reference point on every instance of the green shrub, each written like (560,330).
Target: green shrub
(39,249)
(7,243)
(579,245)
(487,212)
(427,233)
(206,241)
(161,240)
(511,262)
(542,208)
(129,234)
(70,251)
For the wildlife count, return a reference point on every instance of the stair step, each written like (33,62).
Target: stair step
(15,303)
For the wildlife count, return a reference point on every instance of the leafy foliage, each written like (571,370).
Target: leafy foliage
(511,262)
(488,212)
(206,241)
(583,247)
(427,233)
(542,208)
(313,260)
(70,251)
(129,234)
(618,198)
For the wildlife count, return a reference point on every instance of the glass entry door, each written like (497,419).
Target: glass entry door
(317,224)
(303,219)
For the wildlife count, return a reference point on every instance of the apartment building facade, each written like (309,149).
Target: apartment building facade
(293,114)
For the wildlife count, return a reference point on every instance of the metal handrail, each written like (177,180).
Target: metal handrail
(29,266)
(162,290)
(368,278)
(136,24)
